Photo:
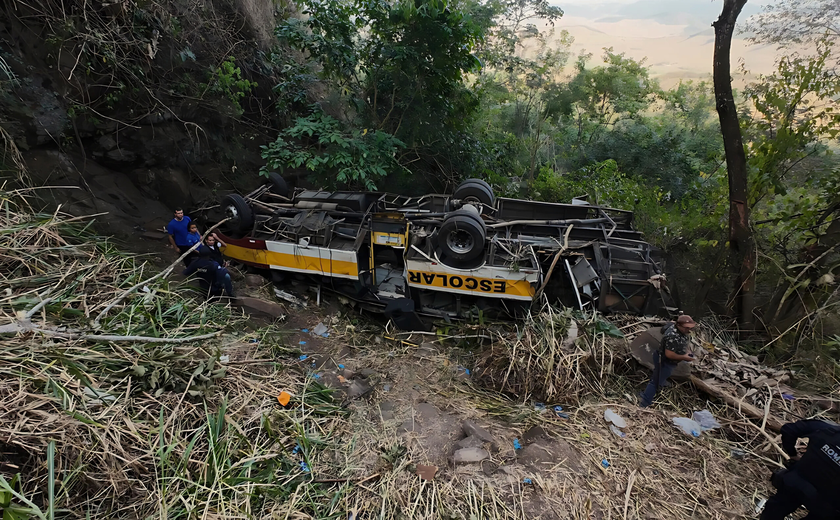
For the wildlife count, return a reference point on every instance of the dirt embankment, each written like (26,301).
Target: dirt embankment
(138,107)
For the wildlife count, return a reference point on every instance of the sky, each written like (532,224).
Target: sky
(674,36)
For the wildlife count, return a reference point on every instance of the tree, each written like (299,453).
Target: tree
(741,241)
(793,110)
(793,24)
(394,68)
(597,98)
(787,22)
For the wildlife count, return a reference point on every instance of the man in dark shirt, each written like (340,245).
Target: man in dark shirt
(814,481)
(675,349)
(211,276)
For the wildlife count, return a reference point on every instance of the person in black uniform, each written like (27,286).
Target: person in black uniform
(813,481)
(211,276)
(215,245)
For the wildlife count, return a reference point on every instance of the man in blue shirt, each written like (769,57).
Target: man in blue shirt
(179,230)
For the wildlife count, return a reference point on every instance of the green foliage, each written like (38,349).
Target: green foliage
(226,80)
(796,107)
(599,96)
(665,221)
(10,502)
(396,69)
(320,144)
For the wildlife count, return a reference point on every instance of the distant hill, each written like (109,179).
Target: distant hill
(676,37)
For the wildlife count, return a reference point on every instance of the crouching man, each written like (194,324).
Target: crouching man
(212,277)
(674,348)
(813,481)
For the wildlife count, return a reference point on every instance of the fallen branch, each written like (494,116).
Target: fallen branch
(27,326)
(554,262)
(162,274)
(745,408)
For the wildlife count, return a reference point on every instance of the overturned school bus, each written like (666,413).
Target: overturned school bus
(447,255)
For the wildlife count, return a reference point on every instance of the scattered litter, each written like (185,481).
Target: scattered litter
(95,396)
(304,467)
(297,449)
(540,407)
(611,417)
(303,357)
(467,370)
(558,408)
(526,481)
(605,463)
(304,330)
(254,340)
(284,398)
(386,388)
(314,364)
(563,415)
(738,454)
(617,431)
(341,380)
(321,330)
(788,397)
(224,359)
(706,420)
(301,343)
(688,426)
(760,506)
(426,472)
(291,298)
(516,444)
(340,366)
(316,376)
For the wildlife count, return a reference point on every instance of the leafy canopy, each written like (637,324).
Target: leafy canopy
(396,68)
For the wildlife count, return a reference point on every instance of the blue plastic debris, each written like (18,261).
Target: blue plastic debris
(316,376)
(301,343)
(695,433)
(540,407)
(526,481)
(558,408)
(254,340)
(562,415)
(605,463)
(340,365)
(304,330)
(788,397)
(297,449)
(304,467)
(467,370)
(516,444)
(303,357)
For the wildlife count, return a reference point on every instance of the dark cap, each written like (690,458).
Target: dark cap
(686,321)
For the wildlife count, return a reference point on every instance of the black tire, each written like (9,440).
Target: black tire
(278,184)
(461,240)
(467,213)
(475,190)
(240,213)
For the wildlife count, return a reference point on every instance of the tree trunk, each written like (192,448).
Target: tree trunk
(741,241)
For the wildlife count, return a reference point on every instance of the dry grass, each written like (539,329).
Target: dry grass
(121,429)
